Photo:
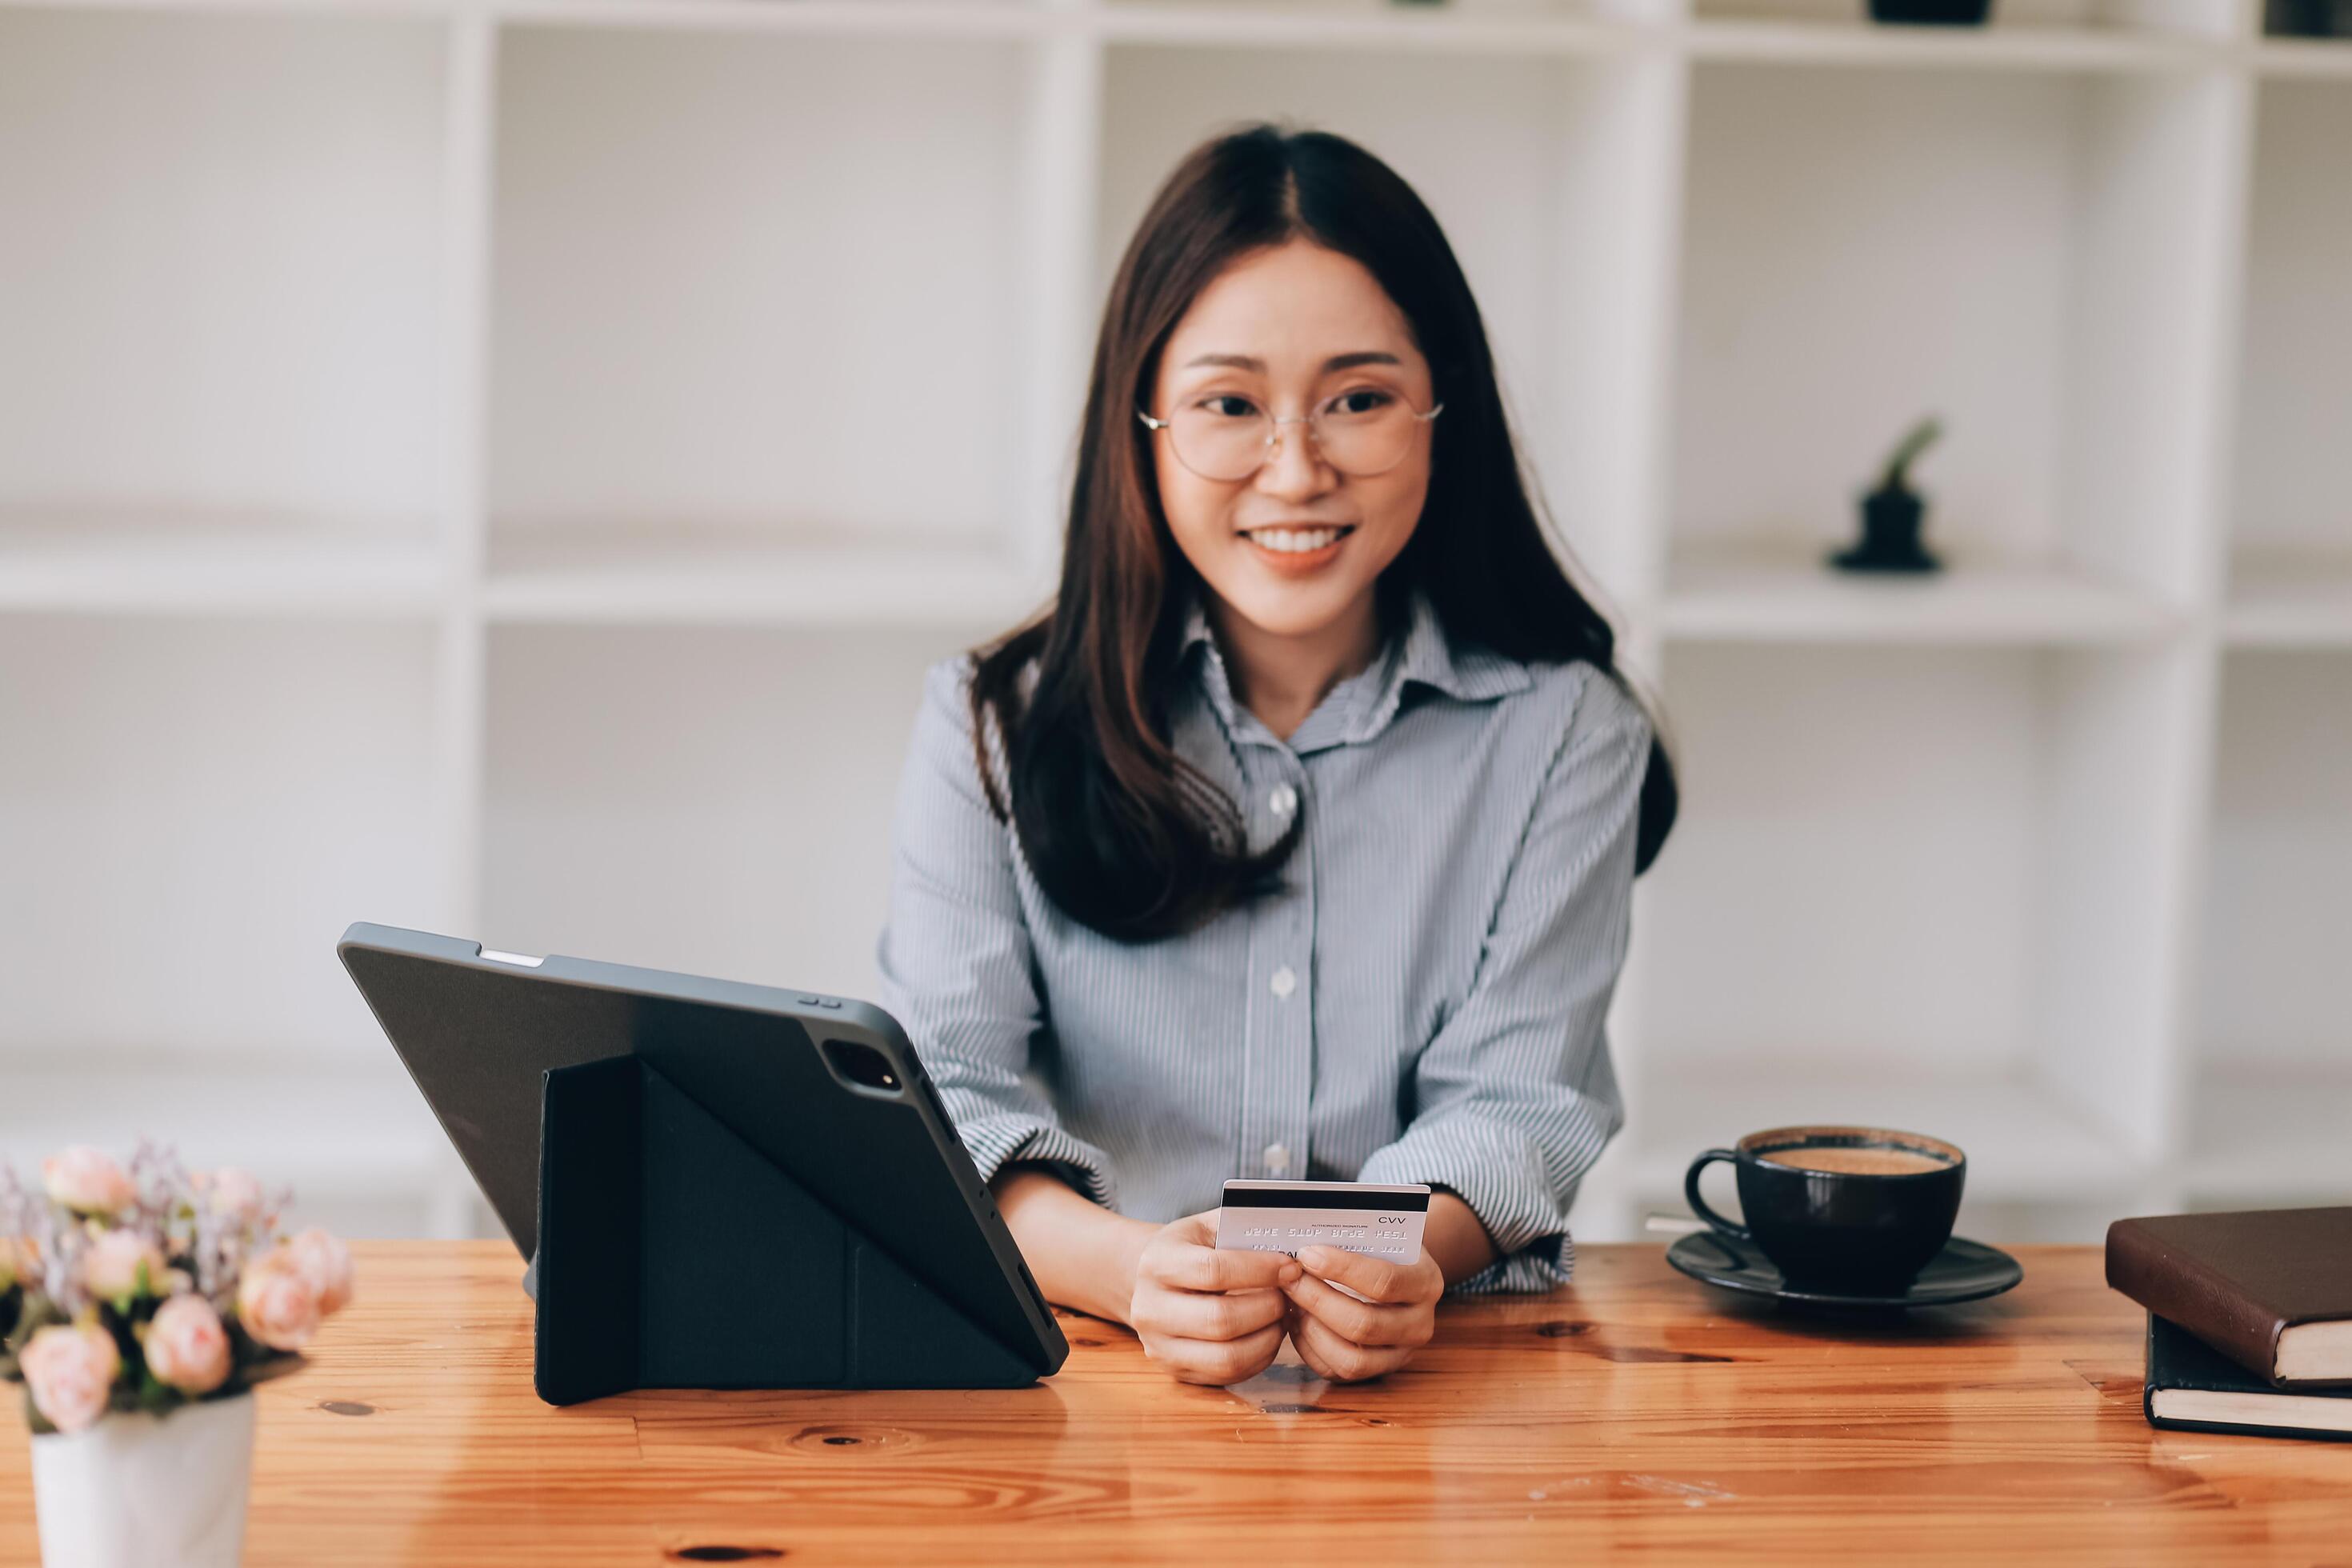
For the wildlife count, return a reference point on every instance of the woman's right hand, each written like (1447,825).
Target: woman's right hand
(1208,1316)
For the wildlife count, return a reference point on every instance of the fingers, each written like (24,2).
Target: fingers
(1189,1267)
(1207,1315)
(1364,1323)
(1367,1276)
(1341,1360)
(1217,1362)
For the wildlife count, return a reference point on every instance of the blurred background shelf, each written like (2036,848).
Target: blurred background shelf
(2281,599)
(351,1137)
(1766,593)
(2000,46)
(1358,26)
(199,566)
(504,466)
(2290,57)
(629,574)
(2274,1139)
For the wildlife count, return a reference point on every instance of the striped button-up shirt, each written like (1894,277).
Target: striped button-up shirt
(1422,1001)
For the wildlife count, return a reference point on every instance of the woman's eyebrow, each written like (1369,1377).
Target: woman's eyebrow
(1336,362)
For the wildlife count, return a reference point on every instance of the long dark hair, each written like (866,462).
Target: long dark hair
(1124,835)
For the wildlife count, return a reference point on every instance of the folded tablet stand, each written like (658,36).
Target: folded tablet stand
(673,1254)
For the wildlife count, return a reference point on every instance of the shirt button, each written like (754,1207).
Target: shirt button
(1284,981)
(1277,1158)
(1282,800)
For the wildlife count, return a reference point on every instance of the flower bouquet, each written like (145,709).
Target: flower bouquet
(139,1307)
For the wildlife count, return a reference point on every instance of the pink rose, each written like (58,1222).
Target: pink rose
(326,1263)
(186,1346)
(87,1180)
(276,1303)
(70,1372)
(232,1190)
(112,1266)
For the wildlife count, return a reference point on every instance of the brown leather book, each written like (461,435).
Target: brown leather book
(2269,1288)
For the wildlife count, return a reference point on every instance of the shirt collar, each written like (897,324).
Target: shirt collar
(1423,654)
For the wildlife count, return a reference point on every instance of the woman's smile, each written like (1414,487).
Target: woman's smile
(1295,552)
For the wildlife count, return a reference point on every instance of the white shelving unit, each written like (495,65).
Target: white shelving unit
(502,465)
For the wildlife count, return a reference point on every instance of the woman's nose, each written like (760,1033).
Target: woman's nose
(1295,469)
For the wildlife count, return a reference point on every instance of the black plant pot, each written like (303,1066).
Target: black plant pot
(1934,13)
(1890,536)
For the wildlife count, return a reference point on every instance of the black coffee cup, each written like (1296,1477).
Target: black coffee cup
(1854,1209)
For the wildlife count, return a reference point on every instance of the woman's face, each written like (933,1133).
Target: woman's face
(1266,332)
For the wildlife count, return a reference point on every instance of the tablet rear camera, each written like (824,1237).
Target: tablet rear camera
(863,1065)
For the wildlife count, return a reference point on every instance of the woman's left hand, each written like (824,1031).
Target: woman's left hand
(1349,1340)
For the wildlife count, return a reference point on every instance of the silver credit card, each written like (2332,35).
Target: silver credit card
(1380,1219)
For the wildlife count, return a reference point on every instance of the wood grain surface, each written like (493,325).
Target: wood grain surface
(1634,1413)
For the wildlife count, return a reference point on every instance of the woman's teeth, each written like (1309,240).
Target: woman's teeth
(1296,541)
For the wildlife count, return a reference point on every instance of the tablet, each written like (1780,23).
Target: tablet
(827,1089)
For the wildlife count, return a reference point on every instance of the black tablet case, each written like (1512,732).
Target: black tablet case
(2178,1359)
(713,1208)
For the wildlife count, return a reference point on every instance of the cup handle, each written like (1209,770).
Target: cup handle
(1698,1204)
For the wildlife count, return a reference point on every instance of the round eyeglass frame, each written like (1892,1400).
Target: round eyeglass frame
(1274,439)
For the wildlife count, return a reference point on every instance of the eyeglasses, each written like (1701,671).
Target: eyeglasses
(1361,432)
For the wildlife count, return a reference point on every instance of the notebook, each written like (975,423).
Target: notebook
(2192,1387)
(2269,1288)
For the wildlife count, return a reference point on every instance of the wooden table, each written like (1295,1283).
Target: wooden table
(1636,1412)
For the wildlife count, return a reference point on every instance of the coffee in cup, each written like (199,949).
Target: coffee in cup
(1852,1209)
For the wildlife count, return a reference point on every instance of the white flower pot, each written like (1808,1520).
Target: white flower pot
(147,1490)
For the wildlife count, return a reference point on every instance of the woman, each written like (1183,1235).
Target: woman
(1297,837)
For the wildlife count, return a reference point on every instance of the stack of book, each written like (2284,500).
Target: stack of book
(2248,1318)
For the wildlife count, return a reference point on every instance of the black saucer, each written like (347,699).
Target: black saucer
(1964,1271)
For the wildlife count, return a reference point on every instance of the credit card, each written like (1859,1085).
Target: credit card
(1378,1218)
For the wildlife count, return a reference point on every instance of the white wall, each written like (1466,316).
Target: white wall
(505,473)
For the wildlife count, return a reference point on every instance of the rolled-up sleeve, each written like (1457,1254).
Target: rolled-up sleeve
(1515,1094)
(955,953)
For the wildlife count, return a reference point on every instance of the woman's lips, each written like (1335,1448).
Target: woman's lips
(1298,562)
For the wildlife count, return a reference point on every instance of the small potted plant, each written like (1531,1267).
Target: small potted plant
(1891,513)
(139,1307)
(1931,12)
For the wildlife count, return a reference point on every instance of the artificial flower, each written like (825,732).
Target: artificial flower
(122,1263)
(87,1180)
(277,1302)
(70,1371)
(186,1347)
(326,1263)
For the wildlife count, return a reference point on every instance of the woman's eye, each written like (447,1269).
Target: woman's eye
(1363,400)
(1243,408)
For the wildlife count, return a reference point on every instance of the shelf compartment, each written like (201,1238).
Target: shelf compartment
(715,800)
(225,302)
(1753,592)
(2291,545)
(680,331)
(207,566)
(1866,247)
(1923,864)
(2275,999)
(194,810)
(2269,1139)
